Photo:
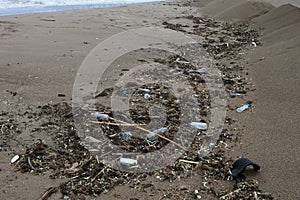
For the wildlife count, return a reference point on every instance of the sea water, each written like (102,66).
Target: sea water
(14,7)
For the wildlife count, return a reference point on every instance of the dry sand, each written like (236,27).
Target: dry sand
(271,132)
(41,53)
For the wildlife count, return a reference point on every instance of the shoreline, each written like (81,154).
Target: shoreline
(42,49)
(16,11)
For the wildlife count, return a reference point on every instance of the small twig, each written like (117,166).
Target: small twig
(47,194)
(230,194)
(163,137)
(116,124)
(95,177)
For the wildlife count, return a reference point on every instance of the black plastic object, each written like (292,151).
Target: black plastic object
(239,167)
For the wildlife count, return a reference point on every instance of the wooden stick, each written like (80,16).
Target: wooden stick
(116,124)
(95,177)
(163,137)
(47,194)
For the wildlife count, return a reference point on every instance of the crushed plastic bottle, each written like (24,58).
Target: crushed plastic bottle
(101,116)
(234,94)
(244,107)
(126,135)
(144,90)
(199,125)
(160,130)
(200,71)
(176,69)
(151,136)
(128,161)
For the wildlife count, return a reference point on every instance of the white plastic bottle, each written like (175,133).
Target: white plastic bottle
(199,125)
(244,107)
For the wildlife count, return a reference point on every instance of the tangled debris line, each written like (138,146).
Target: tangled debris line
(226,43)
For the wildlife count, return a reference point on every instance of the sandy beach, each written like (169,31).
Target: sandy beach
(41,54)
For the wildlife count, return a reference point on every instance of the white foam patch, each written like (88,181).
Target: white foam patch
(44,3)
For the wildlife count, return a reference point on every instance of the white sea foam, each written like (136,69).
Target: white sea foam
(35,3)
(11,7)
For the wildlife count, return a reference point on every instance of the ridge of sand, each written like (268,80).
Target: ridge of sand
(280,17)
(237,10)
(280,24)
(245,11)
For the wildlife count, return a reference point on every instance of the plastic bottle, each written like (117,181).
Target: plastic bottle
(101,116)
(200,71)
(160,130)
(144,90)
(126,135)
(128,161)
(244,107)
(199,125)
(234,94)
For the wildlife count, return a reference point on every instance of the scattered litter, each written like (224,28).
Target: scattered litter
(144,90)
(199,125)
(128,161)
(180,61)
(244,107)
(160,130)
(239,167)
(14,159)
(126,135)
(147,96)
(254,44)
(234,94)
(151,136)
(176,69)
(101,116)
(124,92)
(200,71)
(197,195)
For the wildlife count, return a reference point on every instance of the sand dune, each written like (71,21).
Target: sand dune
(280,17)
(280,25)
(237,10)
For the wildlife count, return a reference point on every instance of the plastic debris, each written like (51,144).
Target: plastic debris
(180,61)
(147,96)
(200,71)
(160,130)
(126,135)
(124,92)
(144,90)
(239,167)
(176,69)
(197,195)
(101,116)
(254,44)
(128,161)
(14,159)
(151,136)
(199,125)
(234,94)
(244,107)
